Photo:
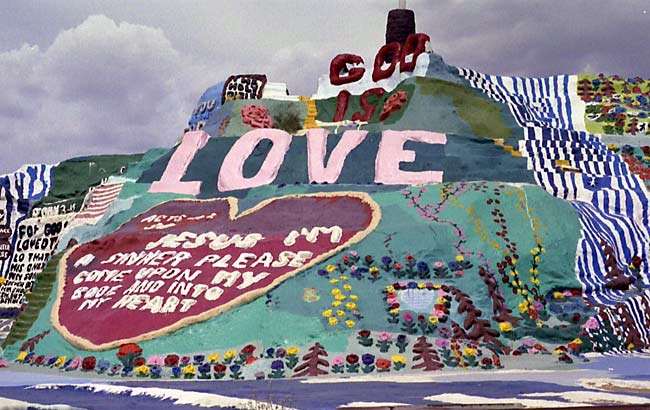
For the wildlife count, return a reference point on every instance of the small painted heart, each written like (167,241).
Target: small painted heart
(186,261)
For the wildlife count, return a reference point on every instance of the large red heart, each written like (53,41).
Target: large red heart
(176,227)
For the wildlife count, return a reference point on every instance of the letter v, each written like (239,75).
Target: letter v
(317,147)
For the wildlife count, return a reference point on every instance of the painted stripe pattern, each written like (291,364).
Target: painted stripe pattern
(97,202)
(612,203)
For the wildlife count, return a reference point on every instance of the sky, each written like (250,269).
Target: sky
(82,77)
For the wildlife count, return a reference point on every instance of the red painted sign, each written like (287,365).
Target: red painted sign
(187,260)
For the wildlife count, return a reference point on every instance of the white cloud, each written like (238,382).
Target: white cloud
(100,87)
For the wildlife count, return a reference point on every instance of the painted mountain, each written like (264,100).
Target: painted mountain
(408,216)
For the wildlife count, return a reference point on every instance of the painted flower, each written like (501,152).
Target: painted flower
(505,327)
(591,324)
(460,258)
(438,264)
(213,357)
(352,358)
(336,303)
(327,313)
(230,354)
(433,319)
(390,289)
(383,364)
(189,370)
(334,281)
(408,317)
(347,287)
(442,343)
(350,323)
(470,351)
(330,268)
(277,365)
(398,358)
(292,351)
(332,321)
(280,352)
(384,337)
(340,313)
(354,298)
(60,361)
(142,370)
(368,359)
(219,368)
(338,361)
(350,306)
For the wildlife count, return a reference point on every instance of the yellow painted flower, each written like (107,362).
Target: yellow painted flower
(354,298)
(335,291)
(336,303)
(350,323)
(60,361)
(535,281)
(437,286)
(421,285)
(21,356)
(505,326)
(390,288)
(230,354)
(330,268)
(213,357)
(514,261)
(533,271)
(327,313)
(340,296)
(523,307)
(577,341)
(340,313)
(373,269)
(343,277)
(189,369)
(441,300)
(433,320)
(142,370)
(334,281)
(292,351)
(558,295)
(347,287)
(2,280)
(394,311)
(630,346)
(468,351)
(332,321)
(460,258)
(524,292)
(350,306)
(537,259)
(398,358)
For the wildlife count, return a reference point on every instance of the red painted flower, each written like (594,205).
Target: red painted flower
(248,349)
(88,363)
(138,362)
(171,360)
(219,368)
(352,358)
(364,333)
(129,349)
(383,364)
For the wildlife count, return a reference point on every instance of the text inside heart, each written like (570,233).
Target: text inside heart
(187,260)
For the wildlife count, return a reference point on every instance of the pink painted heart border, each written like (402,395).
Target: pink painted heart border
(86,344)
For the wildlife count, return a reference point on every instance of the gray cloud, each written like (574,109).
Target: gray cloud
(127,81)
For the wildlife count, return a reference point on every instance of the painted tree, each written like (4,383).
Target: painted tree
(428,356)
(585,90)
(312,361)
